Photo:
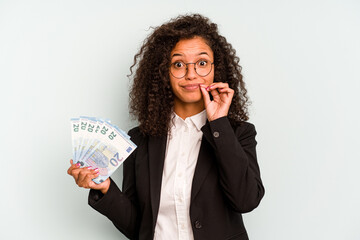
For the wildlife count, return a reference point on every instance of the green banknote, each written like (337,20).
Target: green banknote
(99,144)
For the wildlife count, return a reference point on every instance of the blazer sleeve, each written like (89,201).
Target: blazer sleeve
(118,206)
(239,173)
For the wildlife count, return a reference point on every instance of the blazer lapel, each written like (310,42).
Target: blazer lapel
(157,146)
(203,165)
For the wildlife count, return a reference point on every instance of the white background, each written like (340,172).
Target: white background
(301,60)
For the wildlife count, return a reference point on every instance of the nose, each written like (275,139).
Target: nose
(190,73)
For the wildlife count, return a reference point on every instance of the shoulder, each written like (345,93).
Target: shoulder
(245,130)
(136,135)
(244,126)
(134,131)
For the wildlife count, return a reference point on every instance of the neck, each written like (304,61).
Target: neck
(188,109)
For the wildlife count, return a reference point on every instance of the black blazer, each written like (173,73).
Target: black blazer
(226,184)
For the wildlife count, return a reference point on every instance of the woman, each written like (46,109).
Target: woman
(195,169)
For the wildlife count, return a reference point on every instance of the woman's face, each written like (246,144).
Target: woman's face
(186,89)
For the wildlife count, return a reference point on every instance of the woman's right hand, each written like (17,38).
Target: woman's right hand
(83,177)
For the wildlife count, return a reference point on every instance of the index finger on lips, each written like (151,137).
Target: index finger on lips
(205,94)
(228,90)
(217,85)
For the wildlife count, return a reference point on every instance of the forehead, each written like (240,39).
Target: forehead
(192,47)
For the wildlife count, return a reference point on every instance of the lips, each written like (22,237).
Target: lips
(191,87)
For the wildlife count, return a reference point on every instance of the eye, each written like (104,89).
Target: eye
(202,63)
(179,64)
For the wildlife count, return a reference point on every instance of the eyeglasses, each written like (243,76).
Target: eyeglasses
(202,67)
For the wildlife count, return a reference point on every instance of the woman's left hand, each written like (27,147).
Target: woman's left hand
(222,96)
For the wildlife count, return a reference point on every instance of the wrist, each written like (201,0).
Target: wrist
(213,118)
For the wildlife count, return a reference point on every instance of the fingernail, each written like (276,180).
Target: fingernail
(78,164)
(96,169)
(89,167)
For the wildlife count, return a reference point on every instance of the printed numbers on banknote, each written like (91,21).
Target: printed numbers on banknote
(99,144)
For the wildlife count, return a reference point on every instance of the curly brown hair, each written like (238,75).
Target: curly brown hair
(151,96)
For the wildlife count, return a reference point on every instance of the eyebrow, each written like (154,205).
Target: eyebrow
(178,54)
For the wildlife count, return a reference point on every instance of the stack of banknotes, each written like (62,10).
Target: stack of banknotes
(99,144)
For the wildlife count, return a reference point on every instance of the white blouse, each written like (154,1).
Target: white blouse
(182,151)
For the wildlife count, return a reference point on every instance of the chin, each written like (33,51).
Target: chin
(191,99)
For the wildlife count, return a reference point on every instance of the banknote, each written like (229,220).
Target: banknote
(100,144)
